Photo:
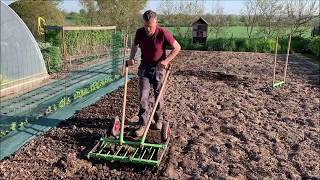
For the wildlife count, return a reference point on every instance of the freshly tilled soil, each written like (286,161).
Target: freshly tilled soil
(226,122)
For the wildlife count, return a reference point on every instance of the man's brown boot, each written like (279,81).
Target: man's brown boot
(140,131)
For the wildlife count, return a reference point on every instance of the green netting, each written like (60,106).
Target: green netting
(16,139)
(116,39)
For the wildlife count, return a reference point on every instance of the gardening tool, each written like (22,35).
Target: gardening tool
(279,83)
(113,149)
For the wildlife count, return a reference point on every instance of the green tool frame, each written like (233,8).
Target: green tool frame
(145,153)
(141,152)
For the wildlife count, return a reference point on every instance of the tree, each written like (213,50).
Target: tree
(231,20)
(181,15)
(218,20)
(298,14)
(29,11)
(74,18)
(250,12)
(90,11)
(121,13)
(269,17)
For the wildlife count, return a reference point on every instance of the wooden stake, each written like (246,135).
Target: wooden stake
(287,59)
(275,62)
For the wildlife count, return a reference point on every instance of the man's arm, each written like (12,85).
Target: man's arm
(176,49)
(133,52)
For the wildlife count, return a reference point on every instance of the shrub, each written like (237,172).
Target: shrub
(53,37)
(242,44)
(299,44)
(314,45)
(52,57)
(198,46)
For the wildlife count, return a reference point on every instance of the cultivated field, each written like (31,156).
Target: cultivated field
(226,123)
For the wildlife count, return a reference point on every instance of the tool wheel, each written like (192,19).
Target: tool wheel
(165,131)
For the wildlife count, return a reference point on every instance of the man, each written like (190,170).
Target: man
(152,41)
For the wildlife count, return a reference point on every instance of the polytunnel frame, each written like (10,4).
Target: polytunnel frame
(26,83)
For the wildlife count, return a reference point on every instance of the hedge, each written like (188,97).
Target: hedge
(314,46)
(52,57)
(298,44)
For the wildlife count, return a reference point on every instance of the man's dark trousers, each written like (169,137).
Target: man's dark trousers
(150,76)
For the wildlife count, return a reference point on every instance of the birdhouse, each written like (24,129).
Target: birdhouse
(200,31)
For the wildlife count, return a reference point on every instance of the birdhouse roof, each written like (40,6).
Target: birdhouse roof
(200,20)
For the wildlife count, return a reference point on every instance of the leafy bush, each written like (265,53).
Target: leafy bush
(77,42)
(314,45)
(52,57)
(298,44)
(53,37)
(242,44)
(199,47)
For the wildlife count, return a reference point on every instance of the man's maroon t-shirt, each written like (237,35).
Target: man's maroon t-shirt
(153,48)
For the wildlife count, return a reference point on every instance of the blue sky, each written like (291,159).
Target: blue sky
(230,6)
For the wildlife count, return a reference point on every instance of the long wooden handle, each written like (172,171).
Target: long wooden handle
(275,62)
(287,59)
(155,106)
(124,104)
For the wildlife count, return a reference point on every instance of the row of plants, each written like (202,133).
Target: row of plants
(298,44)
(87,43)
(64,101)
(78,42)
(14,126)
(80,93)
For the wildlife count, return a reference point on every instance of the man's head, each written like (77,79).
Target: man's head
(150,22)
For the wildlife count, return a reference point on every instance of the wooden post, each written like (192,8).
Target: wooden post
(124,54)
(63,46)
(131,41)
(275,62)
(287,59)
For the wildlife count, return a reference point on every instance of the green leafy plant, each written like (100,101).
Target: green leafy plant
(3,133)
(13,126)
(79,93)
(52,57)
(63,102)
(23,123)
(314,45)
(54,107)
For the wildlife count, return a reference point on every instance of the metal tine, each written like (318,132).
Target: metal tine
(154,150)
(103,147)
(126,152)
(141,152)
(149,151)
(145,150)
(119,150)
(135,153)
(108,153)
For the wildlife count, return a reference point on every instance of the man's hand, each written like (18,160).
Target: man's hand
(131,62)
(164,64)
